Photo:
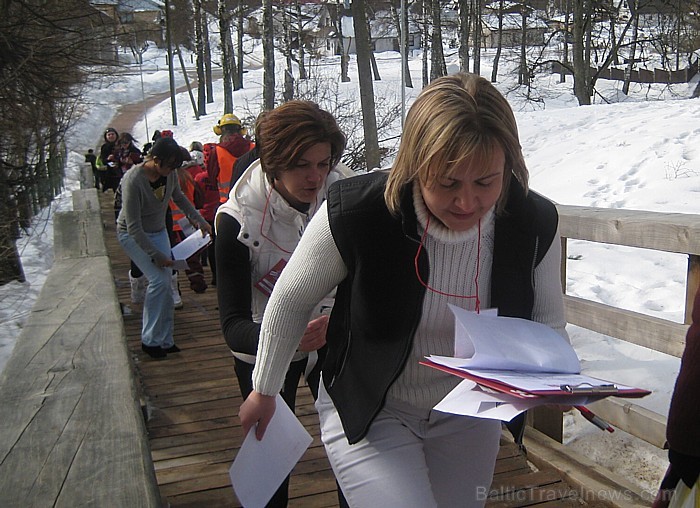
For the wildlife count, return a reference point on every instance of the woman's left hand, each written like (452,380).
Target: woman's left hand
(315,335)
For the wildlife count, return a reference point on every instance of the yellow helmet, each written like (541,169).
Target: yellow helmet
(227,119)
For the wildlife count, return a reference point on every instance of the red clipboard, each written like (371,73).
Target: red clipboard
(524,394)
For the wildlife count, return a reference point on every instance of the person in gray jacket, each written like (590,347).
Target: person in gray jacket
(146,191)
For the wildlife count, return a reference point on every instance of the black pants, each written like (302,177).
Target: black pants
(244,373)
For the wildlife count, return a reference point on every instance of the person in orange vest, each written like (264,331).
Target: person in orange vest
(195,271)
(232,144)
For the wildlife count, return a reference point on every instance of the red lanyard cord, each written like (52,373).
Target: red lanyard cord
(262,224)
(475,297)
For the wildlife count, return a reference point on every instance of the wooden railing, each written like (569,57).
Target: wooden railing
(72,431)
(667,232)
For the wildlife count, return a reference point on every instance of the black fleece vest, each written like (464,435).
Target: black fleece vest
(378,306)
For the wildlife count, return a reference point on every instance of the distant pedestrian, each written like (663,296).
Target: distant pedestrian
(92,159)
(232,144)
(110,136)
(141,228)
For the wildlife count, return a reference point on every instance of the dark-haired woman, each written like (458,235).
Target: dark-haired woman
(110,136)
(259,227)
(146,191)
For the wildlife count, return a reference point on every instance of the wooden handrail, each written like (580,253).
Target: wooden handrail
(667,232)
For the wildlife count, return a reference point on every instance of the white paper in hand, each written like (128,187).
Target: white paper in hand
(261,466)
(187,248)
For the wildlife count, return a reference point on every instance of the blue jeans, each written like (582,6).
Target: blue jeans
(158,313)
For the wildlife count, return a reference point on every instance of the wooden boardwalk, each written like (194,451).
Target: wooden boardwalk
(192,401)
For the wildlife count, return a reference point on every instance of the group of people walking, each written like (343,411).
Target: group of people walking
(347,280)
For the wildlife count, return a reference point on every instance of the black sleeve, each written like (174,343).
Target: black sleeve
(234,287)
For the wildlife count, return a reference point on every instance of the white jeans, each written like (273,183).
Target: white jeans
(412,457)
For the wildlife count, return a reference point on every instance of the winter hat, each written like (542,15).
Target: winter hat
(166,149)
(108,130)
(197,157)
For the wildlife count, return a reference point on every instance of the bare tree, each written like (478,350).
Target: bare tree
(478,35)
(207,57)
(227,56)
(268,43)
(437,57)
(199,50)
(366,87)
(464,7)
(499,45)
(46,48)
(344,57)
(582,74)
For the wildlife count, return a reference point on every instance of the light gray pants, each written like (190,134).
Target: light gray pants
(412,457)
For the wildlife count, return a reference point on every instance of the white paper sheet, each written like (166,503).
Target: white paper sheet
(487,341)
(187,247)
(469,399)
(261,466)
(527,381)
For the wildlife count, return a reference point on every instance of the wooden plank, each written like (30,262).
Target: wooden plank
(592,482)
(648,331)
(71,429)
(78,235)
(668,232)
(692,286)
(633,419)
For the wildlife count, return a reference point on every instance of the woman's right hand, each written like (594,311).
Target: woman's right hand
(164,262)
(314,337)
(257,410)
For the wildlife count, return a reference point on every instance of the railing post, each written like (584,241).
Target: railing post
(563,263)
(692,284)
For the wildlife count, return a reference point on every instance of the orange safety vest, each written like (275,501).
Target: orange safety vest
(225,161)
(188,191)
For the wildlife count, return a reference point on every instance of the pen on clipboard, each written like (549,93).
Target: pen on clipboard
(595,420)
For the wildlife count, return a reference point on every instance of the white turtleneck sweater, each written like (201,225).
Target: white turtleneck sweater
(317,267)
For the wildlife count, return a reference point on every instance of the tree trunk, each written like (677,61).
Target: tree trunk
(437,58)
(300,38)
(400,22)
(268,43)
(239,38)
(288,92)
(581,67)
(207,58)
(339,13)
(369,120)
(404,22)
(226,49)
(477,36)
(524,73)
(464,32)
(633,48)
(567,35)
(199,50)
(426,36)
(499,46)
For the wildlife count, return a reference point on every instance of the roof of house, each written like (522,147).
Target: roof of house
(131,5)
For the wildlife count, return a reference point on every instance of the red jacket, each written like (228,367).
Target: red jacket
(211,195)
